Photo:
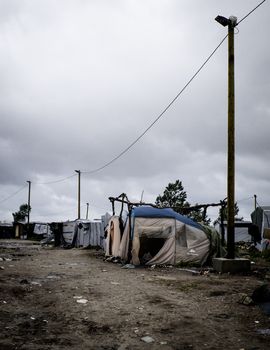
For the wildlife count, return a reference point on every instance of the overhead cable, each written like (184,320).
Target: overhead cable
(170,104)
(159,116)
(152,124)
(250,12)
(13,194)
(54,181)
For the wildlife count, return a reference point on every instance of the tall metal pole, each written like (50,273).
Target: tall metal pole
(79,193)
(87,207)
(231,142)
(28,203)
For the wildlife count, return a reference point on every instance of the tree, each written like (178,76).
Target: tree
(175,197)
(21,215)
(225,213)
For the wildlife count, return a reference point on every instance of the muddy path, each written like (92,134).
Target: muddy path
(71,299)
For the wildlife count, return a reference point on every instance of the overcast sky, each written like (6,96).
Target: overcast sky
(82,79)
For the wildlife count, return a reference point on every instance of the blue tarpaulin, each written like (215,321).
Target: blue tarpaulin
(152,212)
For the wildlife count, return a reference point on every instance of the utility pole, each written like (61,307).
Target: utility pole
(231,22)
(87,207)
(255,201)
(142,196)
(79,193)
(28,203)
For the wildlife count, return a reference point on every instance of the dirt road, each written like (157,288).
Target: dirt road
(71,299)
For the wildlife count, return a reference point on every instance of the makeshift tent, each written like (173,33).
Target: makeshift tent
(42,229)
(261,217)
(158,236)
(113,237)
(82,233)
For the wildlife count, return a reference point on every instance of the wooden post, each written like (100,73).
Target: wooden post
(231,144)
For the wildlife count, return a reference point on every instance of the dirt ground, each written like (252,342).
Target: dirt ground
(51,298)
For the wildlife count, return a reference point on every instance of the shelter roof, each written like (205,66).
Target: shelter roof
(151,212)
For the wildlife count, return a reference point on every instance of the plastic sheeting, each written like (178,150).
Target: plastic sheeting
(83,233)
(42,229)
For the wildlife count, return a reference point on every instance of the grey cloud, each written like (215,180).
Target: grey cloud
(81,80)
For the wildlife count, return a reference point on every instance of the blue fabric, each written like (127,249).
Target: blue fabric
(151,212)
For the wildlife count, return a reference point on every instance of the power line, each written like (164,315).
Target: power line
(169,105)
(250,12)
(159,116)
(13,194)
(54,181)
(152,124)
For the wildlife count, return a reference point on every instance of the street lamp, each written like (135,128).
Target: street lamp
(231,22)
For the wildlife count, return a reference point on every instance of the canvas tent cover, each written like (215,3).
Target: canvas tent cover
(158,236)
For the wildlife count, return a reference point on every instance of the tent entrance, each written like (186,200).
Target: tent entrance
(149,247)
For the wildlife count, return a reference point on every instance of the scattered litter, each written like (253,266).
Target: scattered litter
(163,343)
(128,266)
(147,339)
(2,268)
(24,281)
(136,330)
(140,308)
(245,299)
(35,283)
(7,259)
(257,322)
(82,301)
(45,321)
(1,259)
(153,266)
(193,272)
(109,259)
(104,270)
(264,331)
(4,302)
(72,264)
(32,318)
(53,277)
(115,283)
